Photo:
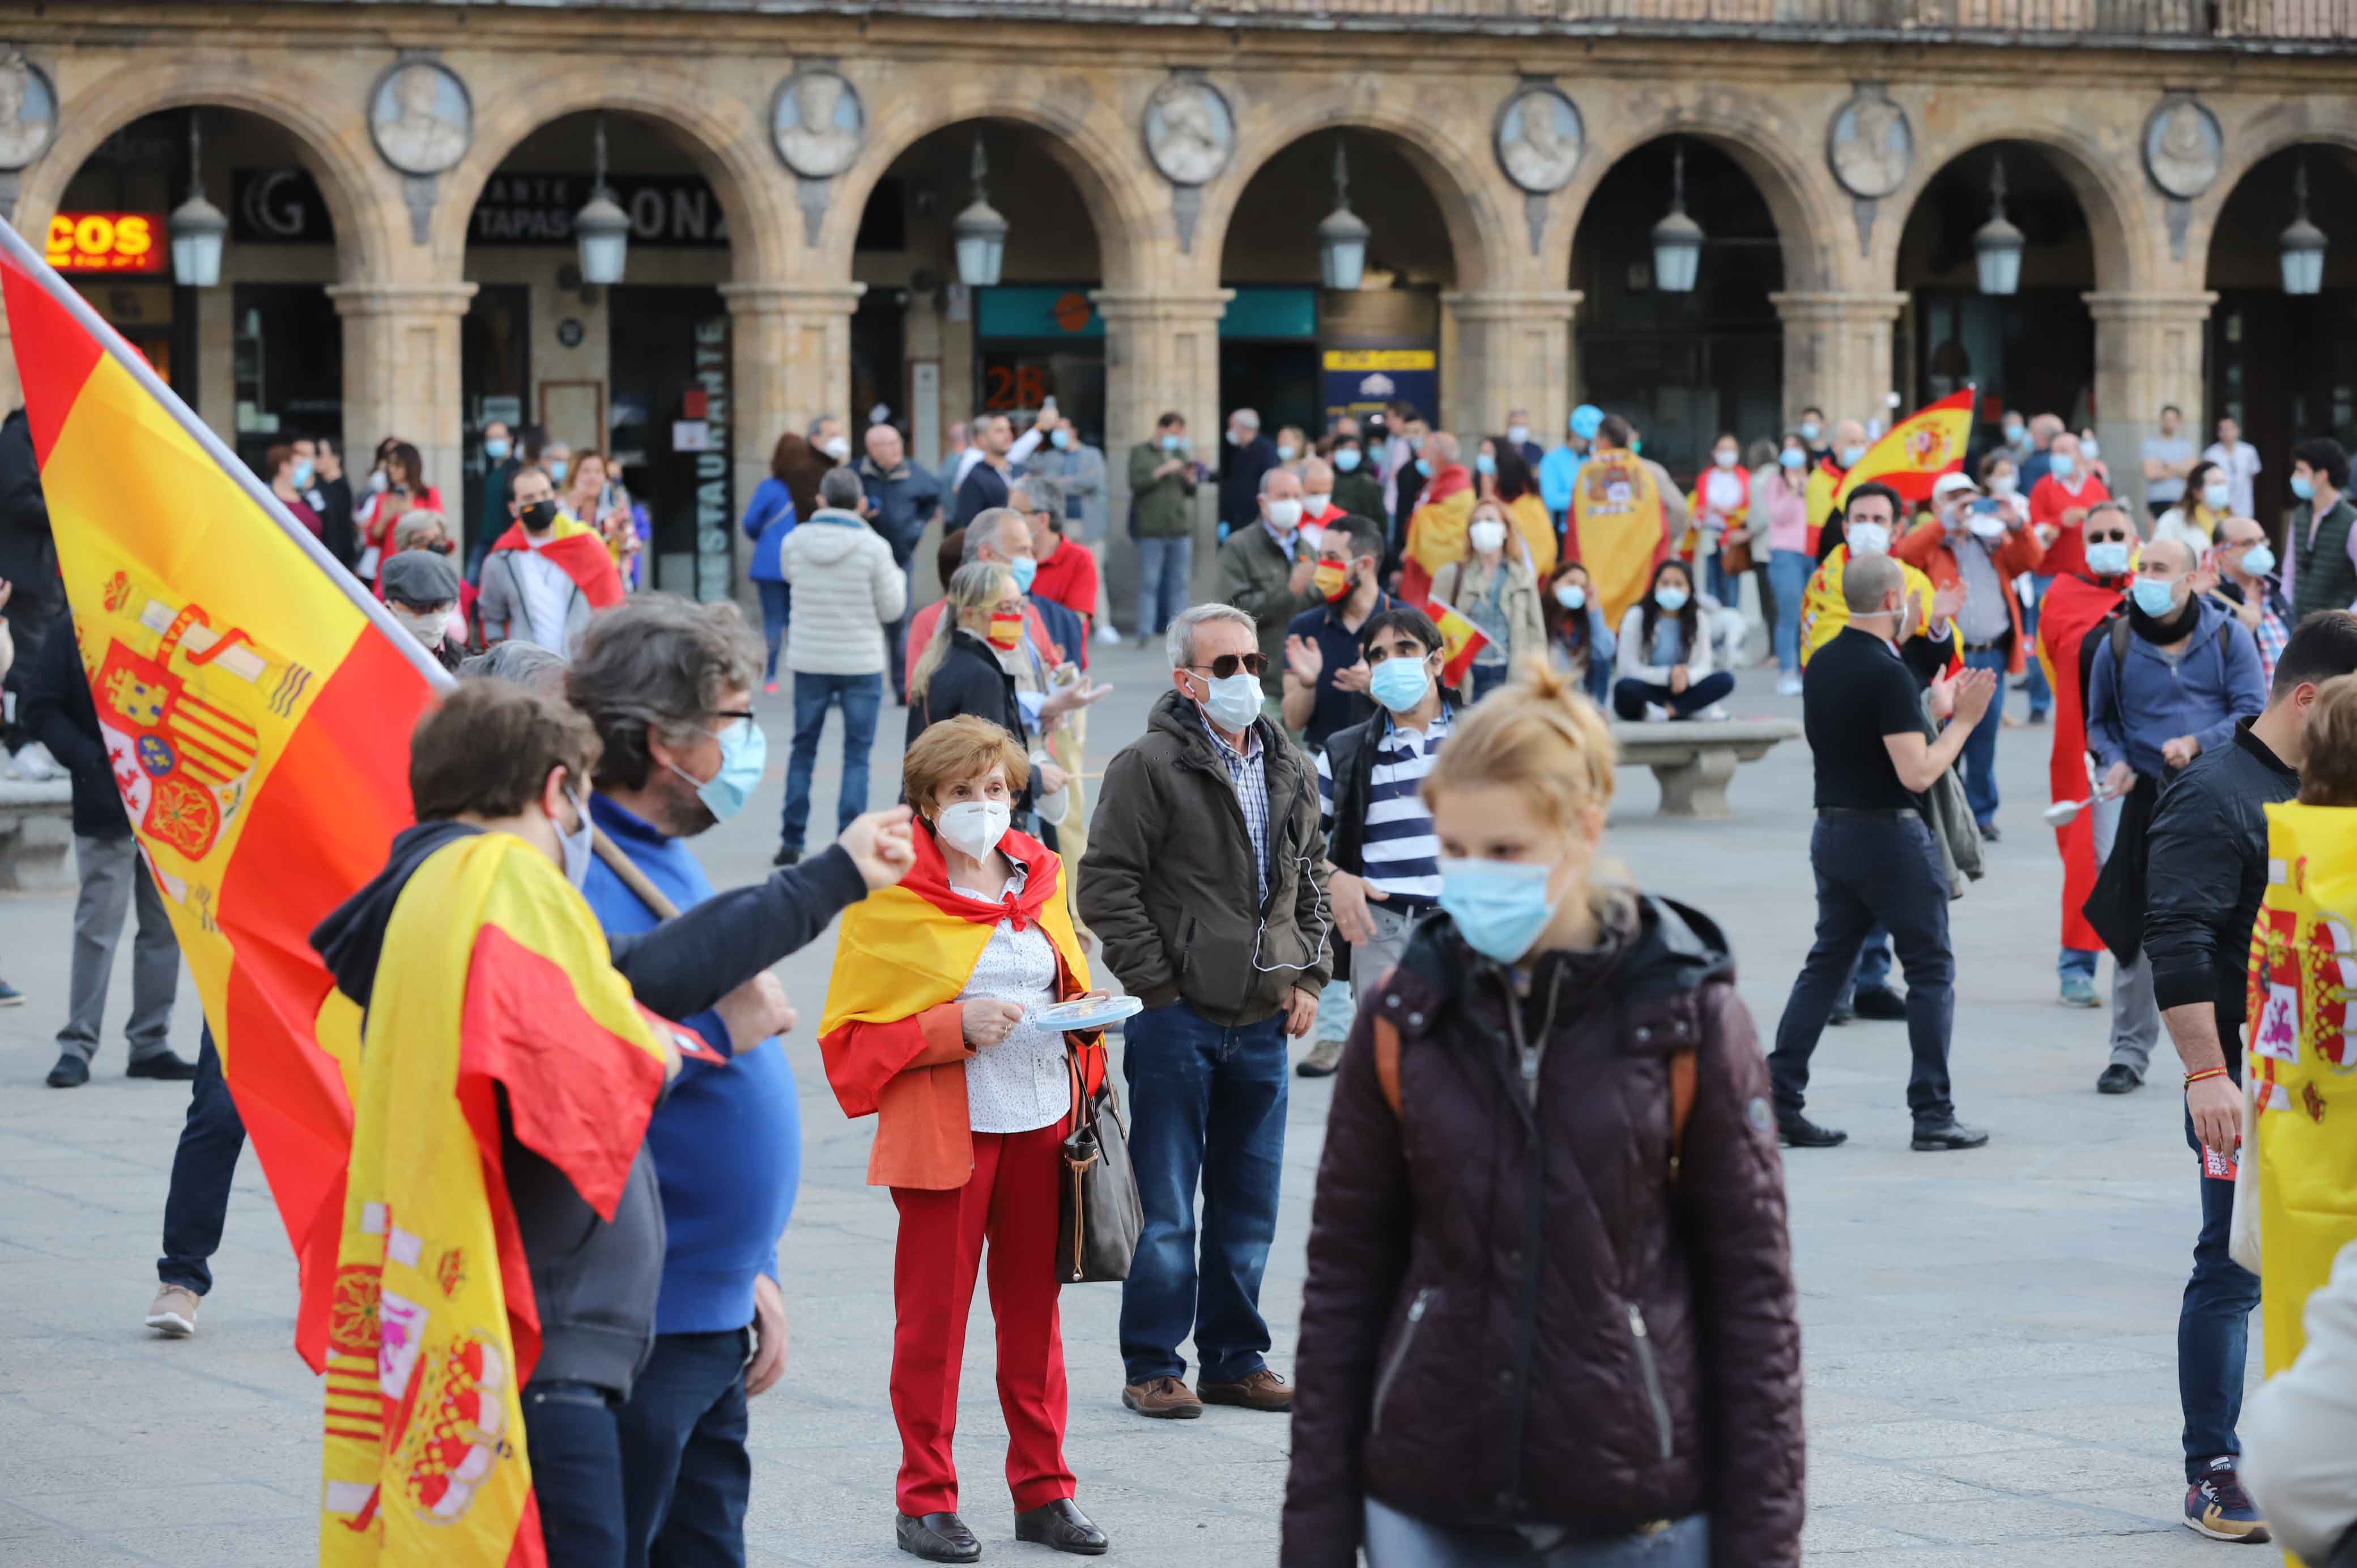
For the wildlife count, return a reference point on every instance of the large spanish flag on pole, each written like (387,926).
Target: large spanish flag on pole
(257,704)
(1916,451)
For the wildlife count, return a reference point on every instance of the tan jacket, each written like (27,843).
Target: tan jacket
(1463,583)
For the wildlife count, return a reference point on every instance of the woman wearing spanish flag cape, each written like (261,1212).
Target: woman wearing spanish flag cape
(927,1027)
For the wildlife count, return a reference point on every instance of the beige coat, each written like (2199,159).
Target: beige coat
(1462,583)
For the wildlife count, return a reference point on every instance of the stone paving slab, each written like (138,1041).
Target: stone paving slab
(1989,1336)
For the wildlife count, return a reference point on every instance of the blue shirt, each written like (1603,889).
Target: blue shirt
(1558,476)
(728,1140)
(768,518)
(1333,707)
(2138,703)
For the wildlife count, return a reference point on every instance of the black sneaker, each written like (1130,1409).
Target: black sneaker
(1797,1131)
(2117,1078)
(10,996)
(72,1072)
(1844,1011)
(1879,1003)
(785,857)
(1932,1136)
(1989,833)
(163,1067)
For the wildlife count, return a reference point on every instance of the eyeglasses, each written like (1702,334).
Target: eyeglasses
(1225,666)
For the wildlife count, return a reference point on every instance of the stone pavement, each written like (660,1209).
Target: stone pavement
(1990,1336)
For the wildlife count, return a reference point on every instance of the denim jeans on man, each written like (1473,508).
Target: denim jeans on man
(859,696)
(577,1473)
(1980,747)
(198,1200)
(777,608)
(2213,1325)
(1789,571)
(686,1475)
(1875,868)
(1205,1104)
(2041,695)
(1164,568)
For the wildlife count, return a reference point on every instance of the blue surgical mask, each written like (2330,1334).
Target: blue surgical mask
(2108,559)
(1025,569)
(2063,464)
(2153,596)
(576,845)
(1811,430)
(1852,456)
(1399,684)
(1346,458)
(1173,443)
(1670,599)
(302,474)
(1061,438)
(1484,463)
(556,467)
(1286,451)
(1500,906)
(1424,466)
(2014,433)
(496,449)
(2258,561)
(1234,703)
(1571,596)
(2089,450)
(2303,487)
(1793,457)
(744,756)
(2215,497)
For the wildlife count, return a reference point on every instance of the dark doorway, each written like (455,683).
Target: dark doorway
(1279,381)
(668,360)
(879,372)
(288,361)
(495,377)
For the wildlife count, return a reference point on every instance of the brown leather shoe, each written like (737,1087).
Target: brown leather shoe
(1262,1389)
(1163,1399)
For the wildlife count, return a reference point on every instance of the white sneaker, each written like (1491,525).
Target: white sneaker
(1716,713)
(1107,637)
(1787,685)
(34,764)
(173,1313)
(1656,714)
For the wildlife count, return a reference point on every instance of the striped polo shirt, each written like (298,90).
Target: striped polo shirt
(1401,856)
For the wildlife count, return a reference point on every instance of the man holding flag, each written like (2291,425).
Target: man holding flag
(547,574)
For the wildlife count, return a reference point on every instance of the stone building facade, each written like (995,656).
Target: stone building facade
(1840,130)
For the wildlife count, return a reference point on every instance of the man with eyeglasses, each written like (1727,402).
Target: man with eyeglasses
(1204,881)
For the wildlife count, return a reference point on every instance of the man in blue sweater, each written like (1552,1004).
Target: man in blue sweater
(668,686)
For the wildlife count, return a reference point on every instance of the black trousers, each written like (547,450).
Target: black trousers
(1872,869)
(197,1203)
(572,1433)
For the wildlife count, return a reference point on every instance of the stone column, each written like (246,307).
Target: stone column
(401,376)
(790,362)
(2148,352)
(1162,352)
(1513,350)
(1837,351)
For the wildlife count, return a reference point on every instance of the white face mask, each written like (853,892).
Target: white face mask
(1488,533)
(1724,459)
(428,626)
(836,447)
(1518,433)
(1868,538)
(2003,485)
(1985,527)
(1283,516)
(974,828)
(1315,504)
(1234,703)
(2215,497)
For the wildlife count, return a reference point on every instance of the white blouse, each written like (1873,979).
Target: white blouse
(1024,1081)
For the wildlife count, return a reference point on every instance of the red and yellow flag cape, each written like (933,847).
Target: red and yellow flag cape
(1617,530)
(2072,607)
(494,975)
(257,703)
(1915,452)
(580,551)
(1436,528)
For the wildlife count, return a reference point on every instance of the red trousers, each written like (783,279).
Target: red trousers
(1010,1201)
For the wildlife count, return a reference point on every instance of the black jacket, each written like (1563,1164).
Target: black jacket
(57,711)
(595,1284)
(2205,872)
(971,680)
(1350,758)
(336,531)
(1239,472)
(28,556)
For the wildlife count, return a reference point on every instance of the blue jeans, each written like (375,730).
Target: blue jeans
(575,1442)
(1206,1104)
(1165,569)
(2041,695)
(1488,678)
(198,1201)
(1629,695)
(859,696)
(777,608)
(2079,961)
(1789,571)
(2214,1326)
(1871,870)
(685,1474)
(1723,586)
(1980,747)
(1873,970)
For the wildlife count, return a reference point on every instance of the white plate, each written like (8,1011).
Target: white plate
(1087,1012)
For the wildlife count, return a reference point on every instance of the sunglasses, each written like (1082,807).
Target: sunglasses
(1225,666)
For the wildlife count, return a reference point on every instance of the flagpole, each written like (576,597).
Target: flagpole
(36,266)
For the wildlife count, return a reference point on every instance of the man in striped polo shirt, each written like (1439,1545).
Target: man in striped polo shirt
(1384,863)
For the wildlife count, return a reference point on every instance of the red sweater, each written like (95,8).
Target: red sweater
(1070,577)
(2064,511)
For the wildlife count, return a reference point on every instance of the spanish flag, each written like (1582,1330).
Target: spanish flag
(1460,638)
(1915,452)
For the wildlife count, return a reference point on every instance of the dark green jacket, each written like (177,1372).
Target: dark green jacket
(1163,508)
(1255,578)
(2327,579)
(1359,491)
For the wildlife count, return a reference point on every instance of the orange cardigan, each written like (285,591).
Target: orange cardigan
(1926,549)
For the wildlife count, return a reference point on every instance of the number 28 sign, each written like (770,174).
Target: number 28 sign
(106,242)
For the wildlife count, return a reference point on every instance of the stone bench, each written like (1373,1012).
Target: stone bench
(1694,759)
(36,835)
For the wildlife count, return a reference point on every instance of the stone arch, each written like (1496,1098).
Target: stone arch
(2128,238)
(726,133)
(361,194)
(1765,141)
(1105,163)
(1465,185)
(2278,126)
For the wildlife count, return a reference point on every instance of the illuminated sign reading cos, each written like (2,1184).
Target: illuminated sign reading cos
(106,242)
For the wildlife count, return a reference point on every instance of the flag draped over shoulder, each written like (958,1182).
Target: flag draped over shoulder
(1824,484)
(256,703)
(1915,452)
(580,552)
(494,976)
(1617,529)
(2072,607)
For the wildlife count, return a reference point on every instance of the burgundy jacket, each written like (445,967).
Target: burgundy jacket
(1514,1311)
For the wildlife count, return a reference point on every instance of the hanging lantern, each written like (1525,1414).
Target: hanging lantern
(2303,243)
(195,228)
(1677,239)
(602,229)
(1996,244)
(1342,237)
(979,233)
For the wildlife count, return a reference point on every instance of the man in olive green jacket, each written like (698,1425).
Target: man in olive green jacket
(1269,571)
(1162,474)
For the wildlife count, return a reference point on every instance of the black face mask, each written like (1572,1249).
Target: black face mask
(538,516)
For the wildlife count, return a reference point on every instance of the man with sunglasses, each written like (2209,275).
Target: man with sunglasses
(1204,881)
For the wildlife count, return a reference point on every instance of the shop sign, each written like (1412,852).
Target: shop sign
(282,207)
(1039,313)
(1361,380)
(107,242)
(716,571)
